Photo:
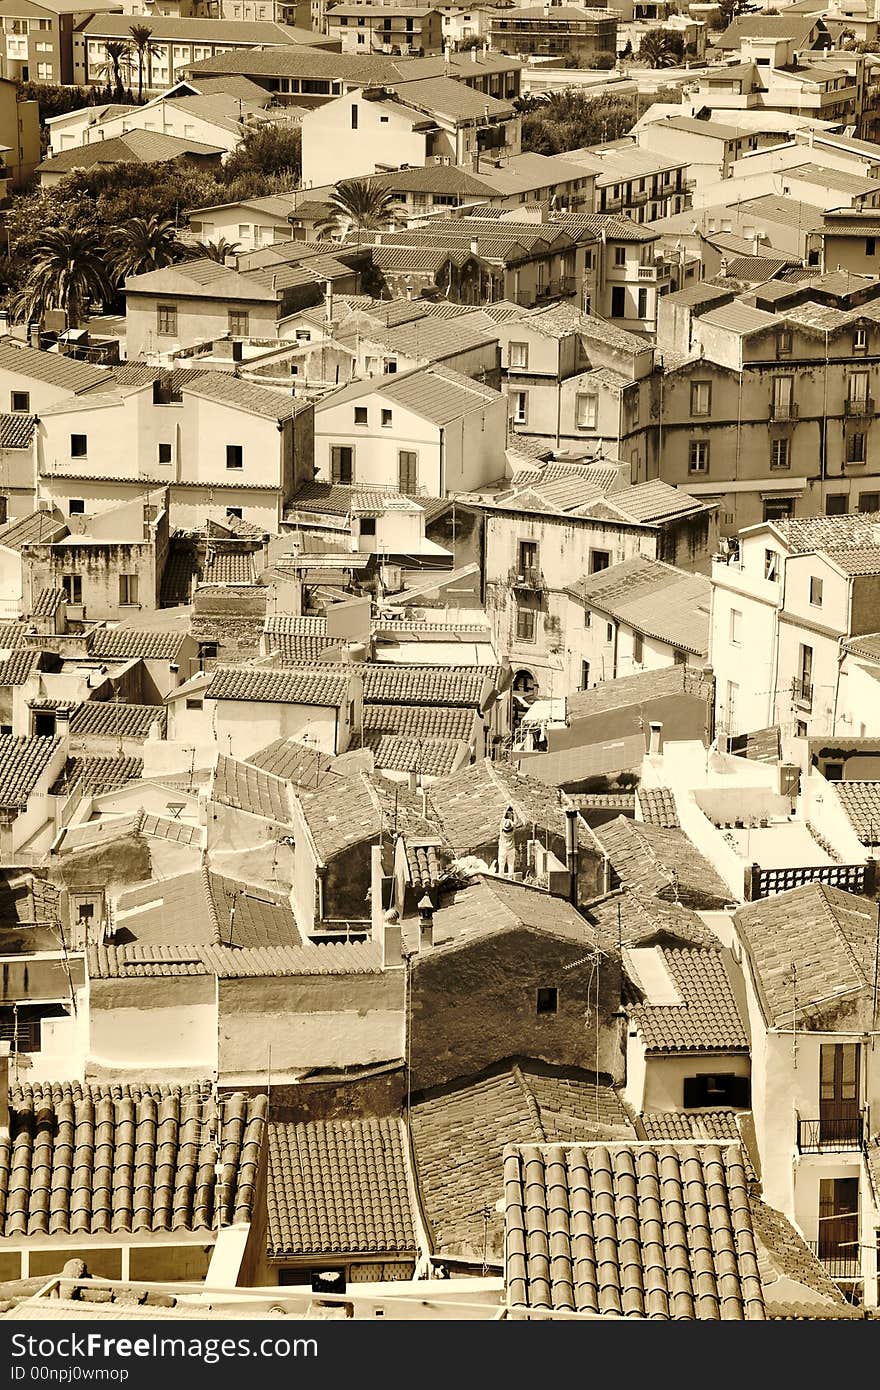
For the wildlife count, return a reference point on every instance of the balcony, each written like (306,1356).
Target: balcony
(530,579)
(648,272)
(858,407)
(783,412)
(831,1136)
(639,199)
(841,1264)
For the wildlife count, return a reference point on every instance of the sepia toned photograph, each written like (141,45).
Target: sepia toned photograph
(439,675)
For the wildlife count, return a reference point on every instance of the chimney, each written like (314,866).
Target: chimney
(328,300)
(4,1090)
(475,247)
(413,780)
(655,744)
(62,721)
(34,333)
(473,55)
(426,924)
(571,854)
(237,354)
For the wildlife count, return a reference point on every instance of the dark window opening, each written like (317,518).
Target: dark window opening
(714,1090)
(547,1000)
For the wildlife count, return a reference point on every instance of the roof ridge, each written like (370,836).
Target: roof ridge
(841,936)
(211,905)
(531,1100)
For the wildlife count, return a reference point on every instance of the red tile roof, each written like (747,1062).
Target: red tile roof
(94,1159)
(324,684)
(339,1187)
(644,1230)
(22,763)
(707,1018)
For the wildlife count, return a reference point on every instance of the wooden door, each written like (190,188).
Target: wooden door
(839,1093)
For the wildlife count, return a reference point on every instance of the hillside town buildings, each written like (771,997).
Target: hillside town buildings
(439,659)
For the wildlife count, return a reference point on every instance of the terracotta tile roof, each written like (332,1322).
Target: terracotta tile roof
(40,528)
(98,774)
(662,862)
(339,1187)
(654,599)
(691,1125)
(494,904)
(867,646)
(244,395)
(164,828)
(645,1230)
(22,763)
(13,635)
(50,367)
(94,1159)
(469,805)
(137,961)
(657,805)
(828,934)
(47,603)
(229,567)
(861,802)
(295,762)
(627,691)
(323,684)
(107,719)
(296,647)
(449,723)
(705,1020)
(346,811)
(784,1256)
(385,683)
(202,909)
(17,430)
(426,864)
(459,1133)
(435,757)
(27,899)
(151,644)
(16,665)
(629,919)
(802,534)
(249,788)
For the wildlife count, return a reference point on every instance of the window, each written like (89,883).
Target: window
(730,718)
(360,415)
(234,456)
(777,508)
(599,560)
(164,453)
(390,365)
(128,589)
(518,356)
(341,464)
(585,675)
(834,772)
(618,302)
(783,342)
(208,650)
(73,587)
(701,397)
(800,729)
(700,1092)
(638,647)
(642,306)
(780,453)
(354,110)
(815,591)
(857,447)
(609,632)
(386,419)
(857,390)
(620,255)
(869,502)
(520,401)
(166,320)
(21,401)
(76,506)
(680,658)
(368,526)
(804,684)
(234,511)
(870,246)
(783,392)
(588,617)
(238,320)
(837,504)
(735,627)
(547,1001)
(587,408)
(407,470)
(860,340)
(525,624)
(193,703)
(771,564)
(698,456)
(79,446)
(527,563)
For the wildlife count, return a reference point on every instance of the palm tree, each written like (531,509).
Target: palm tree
(143,244)
(659,49)
(140,38)
(215,250)
(362,205)
(67,269)
(118,57)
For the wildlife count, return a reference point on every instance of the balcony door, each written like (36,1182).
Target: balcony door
(839,1119)
(839,1226)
